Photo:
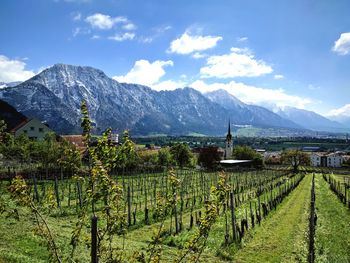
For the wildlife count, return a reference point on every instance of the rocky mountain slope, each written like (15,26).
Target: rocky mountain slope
(55,95)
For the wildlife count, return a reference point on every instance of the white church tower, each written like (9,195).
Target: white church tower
(228,143)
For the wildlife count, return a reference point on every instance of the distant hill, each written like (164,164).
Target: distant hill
(311,120)
(10,115)
(242,113)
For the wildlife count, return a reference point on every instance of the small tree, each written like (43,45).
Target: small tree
(164,157)
(71,158)
(181,154)
(3,128)
(247,153)
(295,158)
(209,157)
(148,157)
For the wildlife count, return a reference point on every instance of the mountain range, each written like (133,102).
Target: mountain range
(55,96)
(310,120)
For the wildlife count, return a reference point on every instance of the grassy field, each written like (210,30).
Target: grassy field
(283,236)
(333,225)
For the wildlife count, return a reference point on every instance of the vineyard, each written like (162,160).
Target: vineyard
(175,216)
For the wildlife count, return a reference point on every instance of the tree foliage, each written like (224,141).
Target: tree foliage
(295,158)
(164,157)
(247,153)
(209,157)
(181,154)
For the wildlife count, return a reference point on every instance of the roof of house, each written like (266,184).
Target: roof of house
(235,161)
(20,125)
(24,122)
(325,154)
(77,140)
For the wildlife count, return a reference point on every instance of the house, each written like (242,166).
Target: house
(113,138)
(319,159)
(76,140)
(33,128)
(334,160)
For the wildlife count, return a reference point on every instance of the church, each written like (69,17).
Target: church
(228,143)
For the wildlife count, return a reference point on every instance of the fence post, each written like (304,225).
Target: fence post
(94,257)
(233,218)
(129,207)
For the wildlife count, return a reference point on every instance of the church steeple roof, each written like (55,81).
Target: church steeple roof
(229,136)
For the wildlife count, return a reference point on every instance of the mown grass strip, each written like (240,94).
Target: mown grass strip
(283,236)
(333,225)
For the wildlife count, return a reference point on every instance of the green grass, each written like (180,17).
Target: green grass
(333,225)
(282,237)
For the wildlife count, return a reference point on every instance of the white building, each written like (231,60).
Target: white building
(319,159)
(334,160)
(33,128)
(114,138)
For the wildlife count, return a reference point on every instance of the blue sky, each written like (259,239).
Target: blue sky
(294,53)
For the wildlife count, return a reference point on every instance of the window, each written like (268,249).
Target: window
(32,128)
(25,131)
(41,129)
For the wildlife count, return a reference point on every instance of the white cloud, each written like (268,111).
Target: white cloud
(312,87)
(187,43)
(340,112)
(278,76)
(145,73)
(242,39)
(76,31)
(129,26)
(162,29)
(13,70)
(105,22)
(146,40)
(76,16)
(342,45)
(238,63)
(158,31)
(254,95)
(81,31)
(122,37)
(95,37)
(198,55)
(168,85)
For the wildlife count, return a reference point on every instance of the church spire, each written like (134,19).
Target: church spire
(229,136)
(228,142)
(229,128)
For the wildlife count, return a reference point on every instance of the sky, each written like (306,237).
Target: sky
(270,53)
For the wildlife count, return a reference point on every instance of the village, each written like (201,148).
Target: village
(318,156)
